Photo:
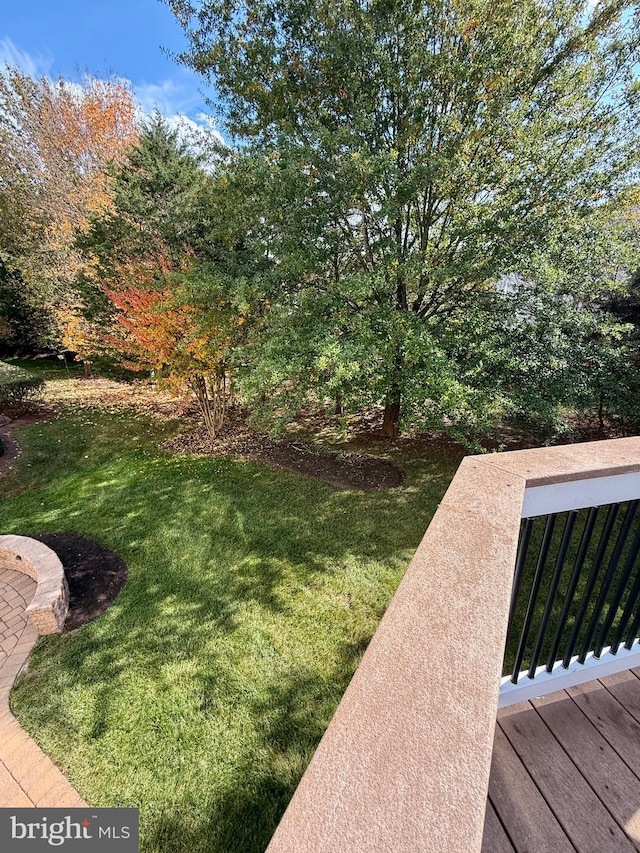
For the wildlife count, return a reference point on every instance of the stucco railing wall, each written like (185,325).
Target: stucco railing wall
(404,764)
(50,604)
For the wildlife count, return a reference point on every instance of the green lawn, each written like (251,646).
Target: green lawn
(200,695)
(47,368)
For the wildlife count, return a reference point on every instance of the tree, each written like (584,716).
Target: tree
(157,254)
(160,198)
(56,139)
(412,155)
(25,323)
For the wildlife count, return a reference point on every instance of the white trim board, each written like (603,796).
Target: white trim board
(578,494)
(560,678)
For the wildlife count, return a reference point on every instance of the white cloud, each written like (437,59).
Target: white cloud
(170,97)
(180,103)
(192,131)
(207,120)
(34,65)
(174,100)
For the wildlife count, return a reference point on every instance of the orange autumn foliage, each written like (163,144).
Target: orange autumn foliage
(158,332)
(85,128)
(155,333)
(77,334)
(56,140)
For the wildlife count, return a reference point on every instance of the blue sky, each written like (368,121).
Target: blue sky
(103,38)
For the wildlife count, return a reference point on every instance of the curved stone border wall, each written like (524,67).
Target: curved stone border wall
(49,606)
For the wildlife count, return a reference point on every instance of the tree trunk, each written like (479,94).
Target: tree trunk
(338,410)
(601,414)
(390,420)
(211,394)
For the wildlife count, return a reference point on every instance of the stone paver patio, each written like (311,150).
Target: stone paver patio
(27,776)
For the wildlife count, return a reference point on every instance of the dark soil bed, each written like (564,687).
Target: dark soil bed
(95,575)
(347,470)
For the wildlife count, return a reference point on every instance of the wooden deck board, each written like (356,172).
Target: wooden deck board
(495,839)
(610,778)
(583,817)
(521,807)
(565,774)
(611,719)
(624,686)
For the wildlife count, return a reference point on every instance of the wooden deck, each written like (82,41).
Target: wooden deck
(566,771)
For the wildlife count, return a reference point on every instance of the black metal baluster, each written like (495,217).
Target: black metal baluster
(553,590)
(617,598)
(535,588)
(633,631)
(585,541)
(605,536)
(606,583)
(521,558)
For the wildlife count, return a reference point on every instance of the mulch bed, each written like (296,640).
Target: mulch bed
(346,470)
(95,575)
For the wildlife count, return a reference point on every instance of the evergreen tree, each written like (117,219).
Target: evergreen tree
(162,261)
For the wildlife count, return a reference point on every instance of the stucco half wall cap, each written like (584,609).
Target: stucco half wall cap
(546,465)
(408,751)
